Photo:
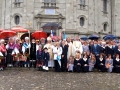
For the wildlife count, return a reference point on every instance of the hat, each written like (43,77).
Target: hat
(2,40)
(26,38)
(49,39)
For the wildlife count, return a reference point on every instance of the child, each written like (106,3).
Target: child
(109,63)
(101,63)
(77,63)
(85,66)
(39,58)
(70,64)
(46,58)
(92,62)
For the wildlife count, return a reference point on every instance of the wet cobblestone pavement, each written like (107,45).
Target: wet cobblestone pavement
(31,79)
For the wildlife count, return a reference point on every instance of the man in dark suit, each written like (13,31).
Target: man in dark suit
(33,53)
(95,49)
(64,56)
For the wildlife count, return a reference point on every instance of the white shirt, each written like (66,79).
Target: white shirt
(58,51)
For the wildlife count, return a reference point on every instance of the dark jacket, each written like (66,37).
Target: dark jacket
(39,55)
(96,50)
(46,56)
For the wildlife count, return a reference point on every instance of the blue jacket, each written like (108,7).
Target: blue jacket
(96,50)
(39,55)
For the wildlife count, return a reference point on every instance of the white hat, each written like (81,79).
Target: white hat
(49,39)
(2,40)
(26,38)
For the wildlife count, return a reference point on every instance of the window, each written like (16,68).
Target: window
(82,21)
(105,27)
(105,5)
(49,11)
(17,0)
(17,19)
(17,3)
(82,2)
(49,3)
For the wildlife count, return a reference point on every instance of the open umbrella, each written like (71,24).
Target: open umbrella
(19,29)
(51,26)
(1,30)
(39,34)
(84,38)
(7,33)
(109,36)
(93,37)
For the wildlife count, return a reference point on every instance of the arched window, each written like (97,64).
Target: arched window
(105,5)
(82,21)
(17,19)
(105,27)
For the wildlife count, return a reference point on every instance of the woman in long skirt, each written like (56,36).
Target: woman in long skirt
(117,63)
(10,47)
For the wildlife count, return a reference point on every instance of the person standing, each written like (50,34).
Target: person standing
(26,52)
(64,56)
(46,58)
(10,47)
(77,46)
(57,51)
(33,53)
(69,43)
(50,46)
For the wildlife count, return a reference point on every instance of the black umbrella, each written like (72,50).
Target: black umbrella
(93,37)
(51,26)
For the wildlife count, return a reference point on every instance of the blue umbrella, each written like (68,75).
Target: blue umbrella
(84,38)
(109,36)
(93,37)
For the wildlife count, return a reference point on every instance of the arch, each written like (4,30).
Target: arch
(17,14)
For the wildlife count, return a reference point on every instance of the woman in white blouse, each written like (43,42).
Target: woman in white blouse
(57,51)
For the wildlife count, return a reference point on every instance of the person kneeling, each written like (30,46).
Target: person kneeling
(77,63)
(46,57)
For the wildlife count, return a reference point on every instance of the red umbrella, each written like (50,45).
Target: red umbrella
(1,30)
(7,33)
(39,34)
(19,29)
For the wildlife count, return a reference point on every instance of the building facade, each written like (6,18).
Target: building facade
(77,17)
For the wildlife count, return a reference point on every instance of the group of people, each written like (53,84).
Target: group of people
(72,55)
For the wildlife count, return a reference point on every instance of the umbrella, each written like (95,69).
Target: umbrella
(84,38)
(7,33)
(109,36)
(19,29)
(1,30)
(39,34)
(25,35)
(51,26)
(93,37)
